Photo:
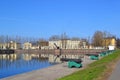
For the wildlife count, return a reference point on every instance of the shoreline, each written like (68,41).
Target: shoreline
(50,73)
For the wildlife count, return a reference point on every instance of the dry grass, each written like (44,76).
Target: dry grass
(107,72)
(110,67)
(98,70)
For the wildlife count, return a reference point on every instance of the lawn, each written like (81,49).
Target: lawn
(96,69)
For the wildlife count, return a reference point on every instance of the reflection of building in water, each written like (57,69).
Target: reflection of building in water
(35,55)
(10,57)
(16,62)
(28,57)
(55,59)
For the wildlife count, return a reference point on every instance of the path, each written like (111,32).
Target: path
(116,73)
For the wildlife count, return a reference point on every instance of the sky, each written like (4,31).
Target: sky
(44,18)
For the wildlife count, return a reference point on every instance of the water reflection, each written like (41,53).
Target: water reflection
(12,64)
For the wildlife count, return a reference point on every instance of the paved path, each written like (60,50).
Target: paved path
(50,73)
(116,73)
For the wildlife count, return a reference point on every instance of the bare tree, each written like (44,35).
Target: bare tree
(18,39)
(64,39)
(97,39)
(42,39)
(100,38)
(1,39)
(54,38)
(75,38)
(118,42)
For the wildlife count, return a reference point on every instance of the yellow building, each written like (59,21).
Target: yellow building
(111,41)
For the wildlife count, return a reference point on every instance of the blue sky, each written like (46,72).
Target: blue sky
(43,18)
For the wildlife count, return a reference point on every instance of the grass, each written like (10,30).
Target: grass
(94,70)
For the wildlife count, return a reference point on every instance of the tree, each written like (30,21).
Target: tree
(100,39)
(2,39)
(64,39)
(118,43)
(54,38)
(97,39)
(75,38)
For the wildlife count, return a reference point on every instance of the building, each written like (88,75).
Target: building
(10,45)
(35,45)
(3,45)
(110,41)
(43,45)
(52,46)
(14,45)
(67,44)
(27,45)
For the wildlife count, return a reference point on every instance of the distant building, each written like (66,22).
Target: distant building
(14,45)
(29,45)
(52,46)
(67,44)
(10,45)
(90,46)
(44,45)
(110,41)
(35,45)
(3,45)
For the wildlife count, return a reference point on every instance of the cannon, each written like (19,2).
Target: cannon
(102,54)
(73,62)
(93,56)
(56,46)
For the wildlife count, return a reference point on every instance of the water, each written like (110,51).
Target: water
(20,63)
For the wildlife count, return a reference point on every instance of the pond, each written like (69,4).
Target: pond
(12,64)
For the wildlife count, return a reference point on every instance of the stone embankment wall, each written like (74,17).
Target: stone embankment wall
(35,51)
(63,51)
(56,54)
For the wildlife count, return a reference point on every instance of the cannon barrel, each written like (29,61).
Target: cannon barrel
(75,60)
(56,46)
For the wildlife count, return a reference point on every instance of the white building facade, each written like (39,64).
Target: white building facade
(10,45)
(27,45)
(67,44)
